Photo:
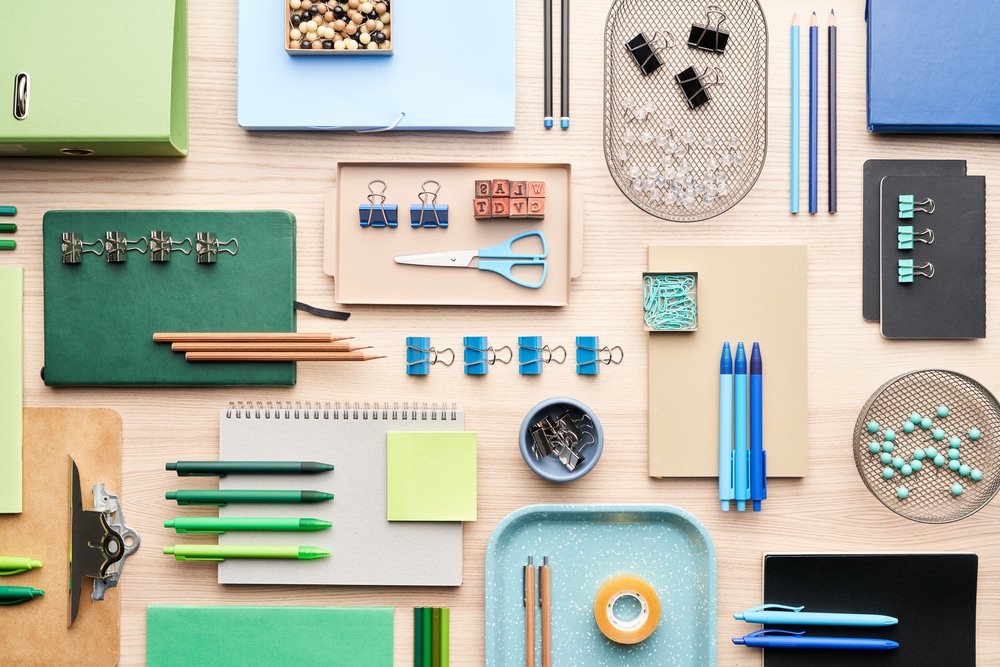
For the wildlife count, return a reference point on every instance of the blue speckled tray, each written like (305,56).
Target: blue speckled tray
(587,545)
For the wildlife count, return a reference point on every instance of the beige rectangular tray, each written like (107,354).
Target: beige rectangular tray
(361,259)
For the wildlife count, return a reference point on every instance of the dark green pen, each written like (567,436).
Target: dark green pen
(16,594)
(221,497)
(220,525)
(223,468)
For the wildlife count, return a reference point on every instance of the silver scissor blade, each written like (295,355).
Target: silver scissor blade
(462,258)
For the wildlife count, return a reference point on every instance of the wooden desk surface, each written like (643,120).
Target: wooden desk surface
(228,168)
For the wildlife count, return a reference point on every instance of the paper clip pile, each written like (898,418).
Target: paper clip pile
(565,437)
(670,302)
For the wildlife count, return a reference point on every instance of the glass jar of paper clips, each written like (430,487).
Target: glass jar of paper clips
(561,439)
(670,301)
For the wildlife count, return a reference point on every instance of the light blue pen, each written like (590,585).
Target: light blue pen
(726,427)
(741,456)
(779,614)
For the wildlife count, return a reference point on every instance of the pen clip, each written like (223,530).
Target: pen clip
(215,558)
(198,502)
(771,633)
(763,473)
(3,602)
(200,531)
(185,473)
(5,573)
(771,607)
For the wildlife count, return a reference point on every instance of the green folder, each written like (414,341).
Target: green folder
(11,386)
(105,86)
(246,636)
(100,317)
(431,476)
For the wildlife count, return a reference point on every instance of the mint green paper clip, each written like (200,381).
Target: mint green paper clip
(906,237)
(907,270)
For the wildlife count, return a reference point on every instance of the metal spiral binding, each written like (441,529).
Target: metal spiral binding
(346,411)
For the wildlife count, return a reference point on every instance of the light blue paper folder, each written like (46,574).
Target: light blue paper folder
(444,73)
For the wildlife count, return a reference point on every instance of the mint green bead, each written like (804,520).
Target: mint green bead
(925,423)
(938,434)
(916,465)
(956,489)
(888,473)
(954,466)
(898,462)
(873,427)
(974,434)
(906,470)
(889,435)
(931,452)
(953,454)
(908,426)
(918,454)
(887,447)
(942,411)
(902,492)
(954,442)
(885,458)
(939,460)
(915,417)
(964,470)
(976,474)
(874,447)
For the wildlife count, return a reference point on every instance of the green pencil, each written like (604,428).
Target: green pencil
(418,637)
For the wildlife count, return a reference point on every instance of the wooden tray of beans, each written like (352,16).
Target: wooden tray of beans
(338,27)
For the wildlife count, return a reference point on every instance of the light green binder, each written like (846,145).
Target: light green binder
(100,316)
(100,87)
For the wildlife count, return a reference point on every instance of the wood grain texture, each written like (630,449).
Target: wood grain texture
(228,168)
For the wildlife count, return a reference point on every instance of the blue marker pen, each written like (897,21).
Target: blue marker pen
(780,614)
(726,427)
(741,483)
(758,462)
(789,639)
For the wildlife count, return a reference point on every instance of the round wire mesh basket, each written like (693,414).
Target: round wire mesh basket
(722,142)
(951,407)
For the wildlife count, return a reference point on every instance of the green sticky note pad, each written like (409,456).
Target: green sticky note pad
(240,636)
(11,382)
(431,476)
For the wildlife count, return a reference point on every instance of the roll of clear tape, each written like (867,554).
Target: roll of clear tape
(634,630)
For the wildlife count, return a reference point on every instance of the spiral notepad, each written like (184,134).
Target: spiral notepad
(367,549)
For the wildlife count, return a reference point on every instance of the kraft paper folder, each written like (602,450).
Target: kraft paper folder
(11,385)
(367,549)
(745,293)
(242,636)
(35,633)
(100,317)
(97,89)
(428,83)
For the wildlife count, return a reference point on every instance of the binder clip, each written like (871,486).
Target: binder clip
(646,52)
(479,355)
(116,246)
(100,541)
(208,247)
(907,270)
(711,36)
(695,86)
(73,248)
(565,438)
(376,213)
(590,355)
(420,356)
(428,213)
(905,237)
(161,245)
(531,355)
(907,207)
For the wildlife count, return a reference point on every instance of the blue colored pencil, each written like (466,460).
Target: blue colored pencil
(794,184)
(741,456)
(758,467)
(813,109)
(726,427)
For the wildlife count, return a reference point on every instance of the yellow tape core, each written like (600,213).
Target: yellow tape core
(631,631)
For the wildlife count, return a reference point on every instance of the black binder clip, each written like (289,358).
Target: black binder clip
(711,36)
(695,86)
(645,51)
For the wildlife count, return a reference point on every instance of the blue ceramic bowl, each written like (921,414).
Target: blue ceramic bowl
(550,467)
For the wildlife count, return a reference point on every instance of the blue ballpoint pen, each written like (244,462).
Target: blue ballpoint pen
(758,460)
(779,614)
(789,639)
(726,427)
(741,483)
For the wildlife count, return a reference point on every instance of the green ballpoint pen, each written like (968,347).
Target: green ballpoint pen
(222,524)
(223,468)
(15,565)
(220,497)
(17,594)
(224,551)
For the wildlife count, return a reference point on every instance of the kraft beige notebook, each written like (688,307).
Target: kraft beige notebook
(745,293)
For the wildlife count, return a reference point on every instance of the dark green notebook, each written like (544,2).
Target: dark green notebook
(100,316)
(250,636)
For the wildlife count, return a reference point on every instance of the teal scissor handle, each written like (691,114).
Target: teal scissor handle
(502,258)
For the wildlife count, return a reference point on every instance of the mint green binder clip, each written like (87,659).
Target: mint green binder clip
(907,270)
(906,237)
(907,206)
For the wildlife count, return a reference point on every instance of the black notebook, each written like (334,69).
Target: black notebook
(952,303)
(932,595)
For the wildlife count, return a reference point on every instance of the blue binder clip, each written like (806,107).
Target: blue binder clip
(479,356)
(420,356)
(376,213)
(531,355)
(428,213)
(590,355)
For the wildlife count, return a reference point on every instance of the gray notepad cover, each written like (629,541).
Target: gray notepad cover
(366,548)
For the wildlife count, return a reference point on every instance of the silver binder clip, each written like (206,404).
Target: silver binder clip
(208,247)
(161,245)
(21,91)
(116,246)
(73,248)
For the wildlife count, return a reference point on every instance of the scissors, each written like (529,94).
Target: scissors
(501,258)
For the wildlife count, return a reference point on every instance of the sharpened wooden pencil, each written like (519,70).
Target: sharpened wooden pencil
(282,356)
(247,337)
(339,346)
